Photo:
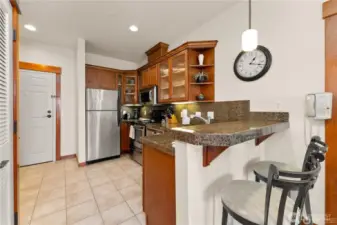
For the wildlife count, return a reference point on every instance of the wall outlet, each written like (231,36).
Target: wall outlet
(184,113)
(210,115)
(198,114)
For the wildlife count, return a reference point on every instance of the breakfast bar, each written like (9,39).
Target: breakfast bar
(185,168)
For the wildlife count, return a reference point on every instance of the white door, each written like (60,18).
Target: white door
(6,115)
(37,116)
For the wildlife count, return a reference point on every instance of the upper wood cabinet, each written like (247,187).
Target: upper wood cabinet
(176,73)
(101,78)
(149,76)
(130,87)
(164,82)
(173,78)
(179,77)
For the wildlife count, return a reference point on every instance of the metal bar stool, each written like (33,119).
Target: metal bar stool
(253,203)
(261,168)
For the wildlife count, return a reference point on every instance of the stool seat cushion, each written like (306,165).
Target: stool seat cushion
(262,167)
(247,199)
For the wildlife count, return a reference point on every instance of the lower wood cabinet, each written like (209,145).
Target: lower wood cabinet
(125,140)
(159,196)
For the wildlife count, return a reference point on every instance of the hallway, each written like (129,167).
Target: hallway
(61,193)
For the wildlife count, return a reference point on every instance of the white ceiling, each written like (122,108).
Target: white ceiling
(104,23)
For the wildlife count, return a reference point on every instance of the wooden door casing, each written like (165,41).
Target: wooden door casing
(331,125)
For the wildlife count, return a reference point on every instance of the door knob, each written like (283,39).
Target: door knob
(49,116)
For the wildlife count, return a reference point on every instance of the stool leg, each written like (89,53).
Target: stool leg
(224,216)
(308,209)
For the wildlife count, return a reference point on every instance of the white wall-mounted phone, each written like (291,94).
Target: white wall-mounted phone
(319,105)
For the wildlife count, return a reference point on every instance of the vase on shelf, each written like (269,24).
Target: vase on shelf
(201,59)
(200,77)
(200,97)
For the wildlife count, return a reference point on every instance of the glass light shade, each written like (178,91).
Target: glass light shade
(249,40)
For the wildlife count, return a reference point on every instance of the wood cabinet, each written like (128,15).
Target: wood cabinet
(101,78)
(125,140)
(149,76)
(164,93)
(179,77)
(159,196)
(173,78)
(130,87)
(177,71)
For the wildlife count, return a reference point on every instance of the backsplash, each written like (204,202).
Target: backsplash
(223,111)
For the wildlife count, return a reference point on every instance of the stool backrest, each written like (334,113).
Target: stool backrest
(301,181)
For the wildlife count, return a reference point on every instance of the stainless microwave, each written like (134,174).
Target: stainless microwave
(148,95)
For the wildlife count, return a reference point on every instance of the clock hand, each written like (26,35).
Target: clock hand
(259,64)
(252,61)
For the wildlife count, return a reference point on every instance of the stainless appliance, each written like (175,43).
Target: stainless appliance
(148,95)
(102,124)
(137,150)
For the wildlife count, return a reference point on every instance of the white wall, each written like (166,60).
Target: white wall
(294,33)
(65,58)
(99,60)
(80,89)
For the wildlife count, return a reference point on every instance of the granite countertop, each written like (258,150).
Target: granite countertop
(161,142)
(220,133)
(216,134)
(158,126)
(227,133)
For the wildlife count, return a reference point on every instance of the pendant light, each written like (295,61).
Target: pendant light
(250,36)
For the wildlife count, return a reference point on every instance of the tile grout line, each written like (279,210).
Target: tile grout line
(37,199)
(135,215)
(31,219)
(92,191)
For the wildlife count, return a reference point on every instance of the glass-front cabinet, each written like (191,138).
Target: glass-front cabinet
(179,78)
(129,89)
(164,81)
(173,78)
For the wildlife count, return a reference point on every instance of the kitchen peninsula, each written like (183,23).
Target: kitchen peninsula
(185,168)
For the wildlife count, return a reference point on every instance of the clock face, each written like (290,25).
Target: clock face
(250,66)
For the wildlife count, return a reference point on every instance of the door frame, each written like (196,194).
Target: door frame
(50,70)
(329,9)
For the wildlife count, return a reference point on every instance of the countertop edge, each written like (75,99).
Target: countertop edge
(228,139)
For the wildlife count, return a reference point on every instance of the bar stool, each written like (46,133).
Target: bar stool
(316,146)
(253,203)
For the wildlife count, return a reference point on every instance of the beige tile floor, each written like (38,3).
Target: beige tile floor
(61,193)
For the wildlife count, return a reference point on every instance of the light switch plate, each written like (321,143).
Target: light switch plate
(198,114)
(210,115)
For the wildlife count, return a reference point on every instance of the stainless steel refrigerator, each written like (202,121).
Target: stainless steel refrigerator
(102,124)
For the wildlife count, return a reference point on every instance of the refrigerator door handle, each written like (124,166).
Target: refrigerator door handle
(118,109)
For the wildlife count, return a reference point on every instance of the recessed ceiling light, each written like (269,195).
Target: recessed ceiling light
(30,27)
(133,28)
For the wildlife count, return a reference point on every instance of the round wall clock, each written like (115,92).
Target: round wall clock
(250,66)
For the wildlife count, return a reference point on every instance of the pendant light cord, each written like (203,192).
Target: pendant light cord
(250,14)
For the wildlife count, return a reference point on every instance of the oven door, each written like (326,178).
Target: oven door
(137,150)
